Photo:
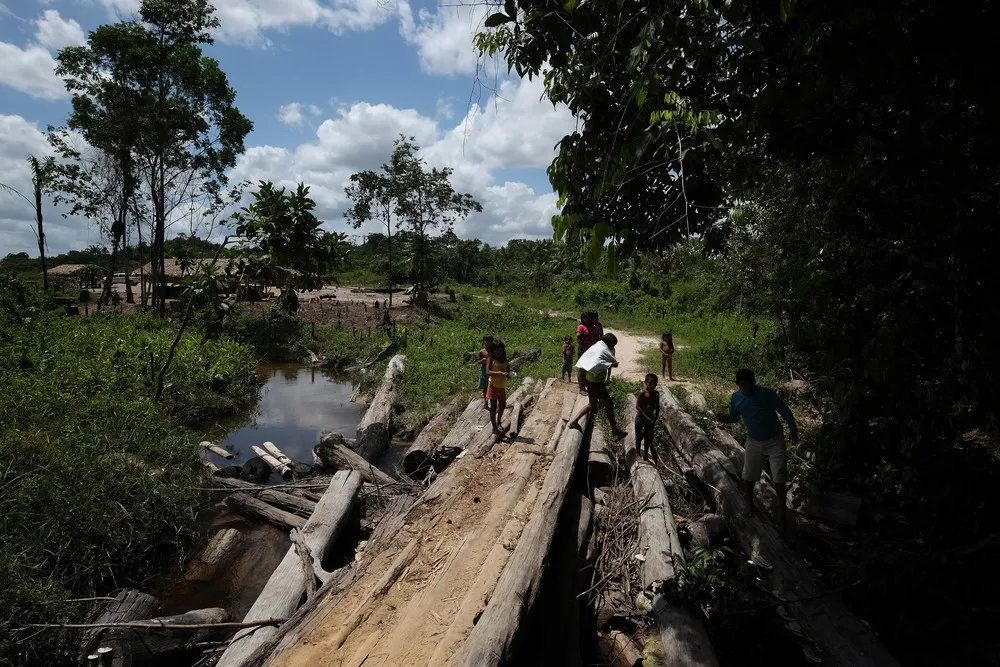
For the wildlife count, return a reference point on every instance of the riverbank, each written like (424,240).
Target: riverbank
(97,479)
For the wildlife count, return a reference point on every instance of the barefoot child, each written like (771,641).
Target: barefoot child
(484,358)
(647,412)
(497,390)
(759,408)
(595,364)
(584,339)
(568,354)
(667,350)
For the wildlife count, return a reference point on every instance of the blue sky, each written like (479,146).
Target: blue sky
(328,84)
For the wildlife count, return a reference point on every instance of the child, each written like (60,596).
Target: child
(596,363)
(484,357)
(584,339)
(667,350)
(595,324)
(497,390)
(647,412)
(568,353)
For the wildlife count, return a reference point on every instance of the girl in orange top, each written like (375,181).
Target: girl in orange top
(667,350)
(496,392)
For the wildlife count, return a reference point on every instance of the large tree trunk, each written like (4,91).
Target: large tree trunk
(153,647)
(333,453)
(600,466)
(257,509)
(41,231)
(491,641)
(682,633)
(373,432)
(222,548)
(419,458)
(284,590)
(822,614)
(129,605)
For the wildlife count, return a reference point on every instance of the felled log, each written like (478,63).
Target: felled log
(215,449)
(221,549)
(279,499)
(419,456)
(275,465)
(822,615)
(682,634)
(600,466)
(284,590)
(128,605)
(616,649)
(251,507)
(158,646)
(509,421)
(492,639)
(373,432)
(708,532)
(825,505)
(333,453)
(273,450)
(518,359)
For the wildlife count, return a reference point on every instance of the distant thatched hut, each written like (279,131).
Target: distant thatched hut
(78,275)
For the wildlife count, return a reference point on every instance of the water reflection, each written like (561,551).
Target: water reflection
(296,404)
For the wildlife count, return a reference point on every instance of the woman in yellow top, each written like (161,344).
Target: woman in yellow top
(496,391)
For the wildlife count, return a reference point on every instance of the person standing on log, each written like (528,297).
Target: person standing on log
(595,364)
(496,390)
(584,340)
(759,408)
(647,408)
(484,360)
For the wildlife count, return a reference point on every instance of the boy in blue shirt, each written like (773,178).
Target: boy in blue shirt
(759,408)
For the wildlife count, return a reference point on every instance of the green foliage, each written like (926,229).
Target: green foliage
(98,480)
(707,578)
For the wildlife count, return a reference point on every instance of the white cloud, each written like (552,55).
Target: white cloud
(54,32)
(444,38)
(31,69)
(291,114)
(315,110)
(444,108)
(514,131)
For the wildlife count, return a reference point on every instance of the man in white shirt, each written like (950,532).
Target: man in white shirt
(596,363)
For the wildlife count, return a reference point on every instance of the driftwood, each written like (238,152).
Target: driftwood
(277,466)
(333,453)
(682,633)
(249,506)
(167,640)
(279,499)
(273,450)
(600,466)
(215,449)
(518,359)
(492,639)
(419,457)
(373,432)
(284,590)
(128,605)
(222,548)
(822,615)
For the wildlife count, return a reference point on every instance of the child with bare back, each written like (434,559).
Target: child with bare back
(568,352)
(667,350)
(647,412)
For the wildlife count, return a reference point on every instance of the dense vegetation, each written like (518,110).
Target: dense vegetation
(98,480)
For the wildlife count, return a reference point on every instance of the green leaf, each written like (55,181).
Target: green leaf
(787,8)
(497,20)
(569,6)
(640,97)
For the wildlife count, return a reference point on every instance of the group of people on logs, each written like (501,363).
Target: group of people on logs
(757,406)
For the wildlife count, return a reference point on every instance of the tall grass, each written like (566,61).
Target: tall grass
(97,481)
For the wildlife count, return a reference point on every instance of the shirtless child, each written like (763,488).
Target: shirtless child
(647,412)
(484,359)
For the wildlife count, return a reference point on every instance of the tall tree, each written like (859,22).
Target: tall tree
(375,197)
(42,177)
(150,76)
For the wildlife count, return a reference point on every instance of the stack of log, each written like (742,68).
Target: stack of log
(373,431)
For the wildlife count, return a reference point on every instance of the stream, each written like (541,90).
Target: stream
(296,404)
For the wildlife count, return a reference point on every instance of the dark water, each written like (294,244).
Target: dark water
(297,403)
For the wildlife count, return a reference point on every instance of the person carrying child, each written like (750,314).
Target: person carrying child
(568,353)
(667,350)
(484,358)
(496,392)
(647,409)
(595,364)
